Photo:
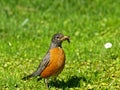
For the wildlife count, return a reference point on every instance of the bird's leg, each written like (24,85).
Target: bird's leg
(55,82)
(46,84)
(55,79)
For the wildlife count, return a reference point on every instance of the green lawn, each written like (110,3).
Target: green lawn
(26,28)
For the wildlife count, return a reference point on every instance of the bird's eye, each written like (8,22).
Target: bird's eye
(57,37)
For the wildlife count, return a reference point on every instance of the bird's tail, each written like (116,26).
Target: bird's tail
(34,74)
(30,76)
(27,77)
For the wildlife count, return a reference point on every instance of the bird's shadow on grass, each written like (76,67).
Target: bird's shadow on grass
(73,81)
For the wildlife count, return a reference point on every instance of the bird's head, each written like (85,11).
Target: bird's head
(58,38)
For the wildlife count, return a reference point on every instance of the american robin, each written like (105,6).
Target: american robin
(54,61)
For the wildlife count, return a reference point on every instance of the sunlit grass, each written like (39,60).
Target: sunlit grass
(26,29)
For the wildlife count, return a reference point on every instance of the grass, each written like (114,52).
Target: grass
(25,31)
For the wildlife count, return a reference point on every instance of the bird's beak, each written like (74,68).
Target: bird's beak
(65,38)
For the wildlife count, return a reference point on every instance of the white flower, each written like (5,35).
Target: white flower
(108,45)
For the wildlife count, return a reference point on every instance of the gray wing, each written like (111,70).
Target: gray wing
(40,68)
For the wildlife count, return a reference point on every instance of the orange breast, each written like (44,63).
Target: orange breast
(56,64)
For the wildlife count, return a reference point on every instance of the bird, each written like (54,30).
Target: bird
(54,60)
